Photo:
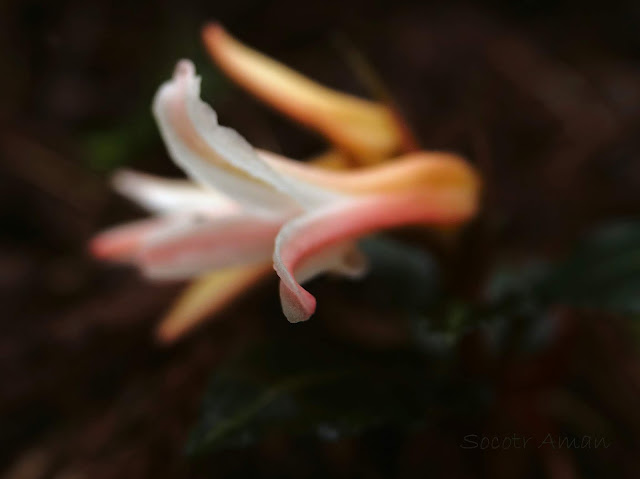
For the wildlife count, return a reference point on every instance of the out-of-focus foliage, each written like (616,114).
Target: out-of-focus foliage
(402,277)
(327,390)
(107,150)
(602,273)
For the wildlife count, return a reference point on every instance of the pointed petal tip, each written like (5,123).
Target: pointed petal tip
(217,40)
(107,246)
(124,180)
(132,184)
(184,68)
(121,243)
(97,248)
(111,247)
(297,305)
(167,334)
(213,31)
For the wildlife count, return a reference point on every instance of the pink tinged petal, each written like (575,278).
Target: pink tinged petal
(195,250)
(307,235)
(122,242)
(162,196)
(344,259)
(206,296)
(218,157)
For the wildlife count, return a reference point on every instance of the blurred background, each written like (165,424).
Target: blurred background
(542,96)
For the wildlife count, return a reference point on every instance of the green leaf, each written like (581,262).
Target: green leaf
(439,330)
(108,149)
(401,276)
(602,273)
(320,389)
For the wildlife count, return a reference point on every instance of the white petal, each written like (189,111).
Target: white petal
(165,196)
(219,157)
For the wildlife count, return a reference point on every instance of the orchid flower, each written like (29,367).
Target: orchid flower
(246,210)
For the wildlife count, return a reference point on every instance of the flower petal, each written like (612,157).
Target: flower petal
(429,170)
(366,129)
(206,296)
(188,252)
(162,196)
(344,259)
(209,294)
(120,243)
(331,159)
(218,157)
(307,235)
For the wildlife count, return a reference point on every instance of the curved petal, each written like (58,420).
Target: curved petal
(344,259)
(162,196)
(206,296)
(219,157)
(189,252)
(366,129)
(429,170)
(307,235)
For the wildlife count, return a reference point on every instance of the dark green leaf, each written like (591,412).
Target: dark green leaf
(603,272)
(401,276)
(319,389)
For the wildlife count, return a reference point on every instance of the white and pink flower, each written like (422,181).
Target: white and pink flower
(246,209)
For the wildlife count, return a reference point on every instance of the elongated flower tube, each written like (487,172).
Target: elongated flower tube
(207,295)
(246,208)
(367,130)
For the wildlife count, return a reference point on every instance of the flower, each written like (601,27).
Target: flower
(247,209)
